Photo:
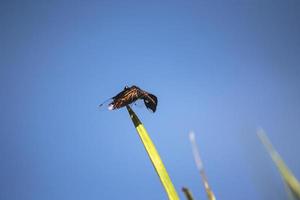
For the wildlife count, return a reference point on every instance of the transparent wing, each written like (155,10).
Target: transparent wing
(139,103)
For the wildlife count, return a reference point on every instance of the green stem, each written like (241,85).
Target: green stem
(154,156)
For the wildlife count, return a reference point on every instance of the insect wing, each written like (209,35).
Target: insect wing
(138,103)
(150,101)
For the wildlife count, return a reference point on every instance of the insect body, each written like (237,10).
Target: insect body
(130,95)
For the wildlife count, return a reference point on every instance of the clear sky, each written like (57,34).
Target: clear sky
(220,68)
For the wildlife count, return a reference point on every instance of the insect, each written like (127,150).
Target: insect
(130,95)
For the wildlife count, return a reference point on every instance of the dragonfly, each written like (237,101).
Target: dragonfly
(129,95)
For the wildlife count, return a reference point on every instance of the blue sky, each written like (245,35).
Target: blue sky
(222,69)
